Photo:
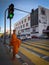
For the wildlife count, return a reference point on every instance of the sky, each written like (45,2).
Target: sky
(25,5)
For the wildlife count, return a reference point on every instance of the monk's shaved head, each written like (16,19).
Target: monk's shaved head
(14,31)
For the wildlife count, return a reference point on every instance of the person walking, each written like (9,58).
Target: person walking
(15,42)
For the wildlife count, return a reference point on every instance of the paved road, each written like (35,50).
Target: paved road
(36,50)
(5,58)
(33,52)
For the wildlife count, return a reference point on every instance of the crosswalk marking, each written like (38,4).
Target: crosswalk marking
(28,49)
(41,46)
(37,43)
(44,56)
(43,42)
(38,46)
(38,50)
(35,59)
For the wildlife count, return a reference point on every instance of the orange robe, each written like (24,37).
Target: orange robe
(15,42)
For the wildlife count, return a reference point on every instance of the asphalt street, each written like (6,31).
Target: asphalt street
(5,57)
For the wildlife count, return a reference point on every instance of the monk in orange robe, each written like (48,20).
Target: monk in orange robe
(15,42)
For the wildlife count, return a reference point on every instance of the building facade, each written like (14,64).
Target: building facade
(34,23)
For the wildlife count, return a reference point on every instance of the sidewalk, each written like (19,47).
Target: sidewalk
(5,58)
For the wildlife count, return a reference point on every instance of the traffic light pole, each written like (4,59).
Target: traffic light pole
(10,28)
(10,23)
(5,26)
(21,10)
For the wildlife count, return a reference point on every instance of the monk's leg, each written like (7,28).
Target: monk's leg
(13,56)
(15,51)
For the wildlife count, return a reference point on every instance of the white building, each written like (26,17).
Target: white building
(34,24)
(43,20)
(23,26)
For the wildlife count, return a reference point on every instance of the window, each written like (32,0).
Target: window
(23,25)
(34,29)
(26,24)
(19,22)
(22,30)
(28,18)
(44,22)
(42,11)
(43,17)
(24,20)
(39,21)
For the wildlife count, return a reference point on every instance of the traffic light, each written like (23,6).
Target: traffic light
(11,11)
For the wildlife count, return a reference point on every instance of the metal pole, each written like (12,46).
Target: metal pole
(5,26)
(10,35)
(10,28)
(21,10)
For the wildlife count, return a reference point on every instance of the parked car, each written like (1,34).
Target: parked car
(43,37)
(34,36)
(18,36)
(21,37)
(28,36)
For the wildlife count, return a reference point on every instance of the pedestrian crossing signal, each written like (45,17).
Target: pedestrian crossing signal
(11,15)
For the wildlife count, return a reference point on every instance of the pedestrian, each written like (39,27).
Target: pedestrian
(15,42)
